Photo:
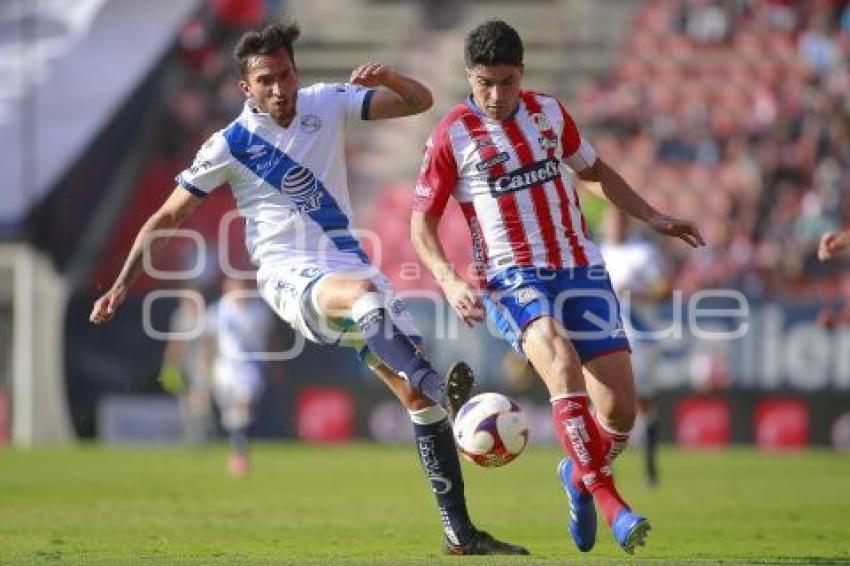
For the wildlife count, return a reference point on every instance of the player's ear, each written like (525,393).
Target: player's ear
(243,86)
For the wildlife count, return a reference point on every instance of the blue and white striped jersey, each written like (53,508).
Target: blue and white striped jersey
(291,183)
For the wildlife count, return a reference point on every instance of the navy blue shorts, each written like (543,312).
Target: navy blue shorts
(581,299)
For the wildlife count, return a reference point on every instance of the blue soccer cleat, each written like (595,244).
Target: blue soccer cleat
(630,530)
(582,511)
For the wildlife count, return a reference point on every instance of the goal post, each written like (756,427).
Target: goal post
(33,301)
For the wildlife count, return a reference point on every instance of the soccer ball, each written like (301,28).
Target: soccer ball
(491,430)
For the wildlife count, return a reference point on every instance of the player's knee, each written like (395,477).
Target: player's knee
(360,288)
(340,299)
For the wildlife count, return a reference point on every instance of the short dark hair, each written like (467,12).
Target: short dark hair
(269,40)
(493,43)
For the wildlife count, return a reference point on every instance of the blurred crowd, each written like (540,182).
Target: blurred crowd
(736,113)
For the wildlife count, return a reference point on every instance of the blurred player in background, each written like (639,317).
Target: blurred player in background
(241,325)
(283,158)
(831,246)
(186,367)
(638,275)
(505,155)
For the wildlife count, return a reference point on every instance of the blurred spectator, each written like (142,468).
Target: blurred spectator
(744,124)
(187,367)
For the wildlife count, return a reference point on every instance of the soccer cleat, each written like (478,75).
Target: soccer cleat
(238,465)
(630,530)
(483,543)
(582,524)
(459,382)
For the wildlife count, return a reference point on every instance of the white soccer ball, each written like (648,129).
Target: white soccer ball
(491,430)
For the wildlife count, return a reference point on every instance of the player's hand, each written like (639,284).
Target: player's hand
(371,75)
(104,308)
(683,229)
(465,300)
(831,243)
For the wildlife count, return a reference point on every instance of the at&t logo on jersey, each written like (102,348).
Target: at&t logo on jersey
(537,173)
(300,184)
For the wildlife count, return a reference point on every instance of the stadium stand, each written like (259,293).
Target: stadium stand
(736,113)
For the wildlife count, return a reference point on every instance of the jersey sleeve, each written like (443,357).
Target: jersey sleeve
(578,153)
(351,100)
(209,169)
(438,175)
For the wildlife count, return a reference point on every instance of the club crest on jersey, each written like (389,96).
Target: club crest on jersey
(493,161)
(300,185)
(541,121)
(537,173)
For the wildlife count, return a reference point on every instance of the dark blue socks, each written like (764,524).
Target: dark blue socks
(438,454)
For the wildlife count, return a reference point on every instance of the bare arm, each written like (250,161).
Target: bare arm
(402,95)
(618,191)
(179,205)
(461,295)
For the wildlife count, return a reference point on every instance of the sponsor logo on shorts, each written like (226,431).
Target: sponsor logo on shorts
(526,295)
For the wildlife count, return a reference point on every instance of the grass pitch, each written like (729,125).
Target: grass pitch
(366,504)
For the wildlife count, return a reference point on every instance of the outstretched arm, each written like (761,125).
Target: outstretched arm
(402,95)
(618,191)
(461,295)
(170,215)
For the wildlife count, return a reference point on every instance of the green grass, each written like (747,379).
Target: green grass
(365,504)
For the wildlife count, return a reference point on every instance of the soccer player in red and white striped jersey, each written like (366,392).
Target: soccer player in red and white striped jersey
(509,157)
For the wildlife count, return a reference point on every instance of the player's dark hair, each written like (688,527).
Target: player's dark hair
(493,43)
(269,40)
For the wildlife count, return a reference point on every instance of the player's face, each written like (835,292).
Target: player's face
(495,89)
(271,82)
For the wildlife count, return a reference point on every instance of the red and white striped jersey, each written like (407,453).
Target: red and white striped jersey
(513,181)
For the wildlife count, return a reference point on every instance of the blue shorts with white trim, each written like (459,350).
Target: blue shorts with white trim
(581,299)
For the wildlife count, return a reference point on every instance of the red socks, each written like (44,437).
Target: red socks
(613,442)
(581,439)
